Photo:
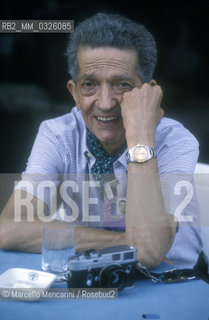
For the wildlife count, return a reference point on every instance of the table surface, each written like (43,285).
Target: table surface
(176,301)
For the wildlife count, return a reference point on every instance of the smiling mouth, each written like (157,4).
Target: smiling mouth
(107,119)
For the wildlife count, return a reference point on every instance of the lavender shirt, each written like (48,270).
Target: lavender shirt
(60,149)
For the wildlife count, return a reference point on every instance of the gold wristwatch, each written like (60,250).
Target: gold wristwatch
(140,153)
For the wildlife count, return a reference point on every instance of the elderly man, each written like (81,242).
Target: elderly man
(117,127)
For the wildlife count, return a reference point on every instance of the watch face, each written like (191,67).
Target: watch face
(140,153)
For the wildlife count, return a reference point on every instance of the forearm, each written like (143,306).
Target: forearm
(26,235)
(21,236)
(89,238)
(23,233)
(148,227)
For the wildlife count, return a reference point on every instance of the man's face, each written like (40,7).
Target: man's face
(105,74)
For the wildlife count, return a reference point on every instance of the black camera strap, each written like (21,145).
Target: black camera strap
(173,275)
(200,271)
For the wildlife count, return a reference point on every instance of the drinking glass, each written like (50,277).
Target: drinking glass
(58,245)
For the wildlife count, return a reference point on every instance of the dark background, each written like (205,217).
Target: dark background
(33,68)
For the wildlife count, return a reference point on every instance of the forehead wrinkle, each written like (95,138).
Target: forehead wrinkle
(114,64)
(113,77)
(98,71)
(102,62)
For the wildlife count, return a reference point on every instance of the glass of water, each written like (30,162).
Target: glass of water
(58,245)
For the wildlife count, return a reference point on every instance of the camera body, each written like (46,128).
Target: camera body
(112,267)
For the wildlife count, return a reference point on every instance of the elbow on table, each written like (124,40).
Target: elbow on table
(149,255)
(3,244)
(149,260)
(6,242)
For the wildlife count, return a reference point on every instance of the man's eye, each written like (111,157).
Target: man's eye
(88,84)
(125,85)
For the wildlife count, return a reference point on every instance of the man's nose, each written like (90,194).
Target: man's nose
(105,98)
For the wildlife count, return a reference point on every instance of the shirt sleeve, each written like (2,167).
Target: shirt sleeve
(44,166)
(177,149)
(177,156)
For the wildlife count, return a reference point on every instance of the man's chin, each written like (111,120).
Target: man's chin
(110,144)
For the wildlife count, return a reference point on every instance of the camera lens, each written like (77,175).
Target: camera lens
(113,277)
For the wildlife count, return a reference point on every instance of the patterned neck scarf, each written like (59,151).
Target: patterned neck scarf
(102,169)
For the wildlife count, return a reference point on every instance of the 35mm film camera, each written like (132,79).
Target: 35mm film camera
(112,267)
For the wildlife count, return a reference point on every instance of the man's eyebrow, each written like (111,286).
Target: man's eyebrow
(121,77)
(88,76)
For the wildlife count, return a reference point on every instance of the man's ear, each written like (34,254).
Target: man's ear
(73,90)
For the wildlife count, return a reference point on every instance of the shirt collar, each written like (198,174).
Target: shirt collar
(91,158)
